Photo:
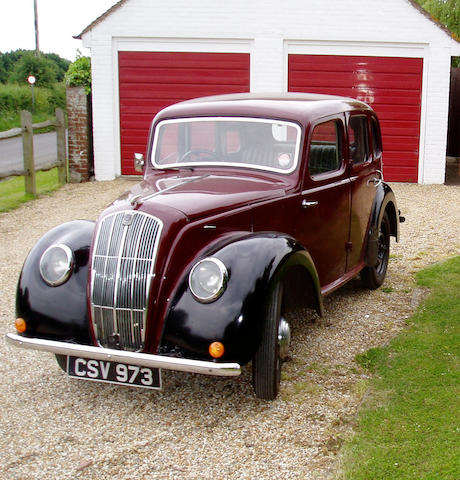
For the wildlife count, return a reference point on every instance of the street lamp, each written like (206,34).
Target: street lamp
(31,79)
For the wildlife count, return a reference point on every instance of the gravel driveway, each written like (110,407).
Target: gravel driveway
(53,427)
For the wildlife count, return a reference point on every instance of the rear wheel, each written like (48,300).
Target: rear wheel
(266,365)
(373,277)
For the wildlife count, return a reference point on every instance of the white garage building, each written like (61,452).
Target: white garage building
(147,54)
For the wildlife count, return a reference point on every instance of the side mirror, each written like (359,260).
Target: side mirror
(139,162)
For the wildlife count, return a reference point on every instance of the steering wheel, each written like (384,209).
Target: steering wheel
(198,152)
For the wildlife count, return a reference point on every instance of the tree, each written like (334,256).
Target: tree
(446,12)
(9,60)
(42,68)
(62,64)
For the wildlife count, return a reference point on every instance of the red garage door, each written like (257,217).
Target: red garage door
(391,85)
(150,81)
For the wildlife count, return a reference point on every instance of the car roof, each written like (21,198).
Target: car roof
(300,107)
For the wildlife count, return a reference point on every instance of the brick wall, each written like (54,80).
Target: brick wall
(79,139)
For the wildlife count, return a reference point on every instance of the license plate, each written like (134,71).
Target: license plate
(113,372)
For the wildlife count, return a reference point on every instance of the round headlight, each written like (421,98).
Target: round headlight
(56,264)
(208,280)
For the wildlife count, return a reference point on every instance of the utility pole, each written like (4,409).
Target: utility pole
(37,46)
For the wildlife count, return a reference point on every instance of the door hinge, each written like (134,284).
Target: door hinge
(348,246)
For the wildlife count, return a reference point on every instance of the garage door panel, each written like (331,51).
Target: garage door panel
(393,97)
(389,112)
(142,106)
(391,85)
(179,59)
(400,144)
(397,172)
(390,100)
(393,160)
(410,129)
(185,60)
(178,90)
(404,150)
(228,76)
(134,145)
(174,91)
(321,90)
(402,175)
(134,121)
(150,81)
(384,81)
(333,63)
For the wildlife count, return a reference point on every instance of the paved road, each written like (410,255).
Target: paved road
(11,159)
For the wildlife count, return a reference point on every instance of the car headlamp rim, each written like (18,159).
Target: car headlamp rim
(68,268)
(222,284)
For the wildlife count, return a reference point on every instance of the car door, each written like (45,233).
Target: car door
(365,154)
(324,210)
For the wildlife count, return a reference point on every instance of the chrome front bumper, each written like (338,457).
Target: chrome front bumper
(132,358)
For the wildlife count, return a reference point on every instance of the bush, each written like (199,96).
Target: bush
(79,74)
(62,65)
(9,61)
(42,68)
(56,97)
(14,98)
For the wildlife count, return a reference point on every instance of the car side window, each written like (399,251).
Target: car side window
(358,139)
(376,139)
(325,148)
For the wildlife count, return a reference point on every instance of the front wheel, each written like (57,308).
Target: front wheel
(373,277)
(266,365)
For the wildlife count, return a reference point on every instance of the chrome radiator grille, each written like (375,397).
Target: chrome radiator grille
(122,268)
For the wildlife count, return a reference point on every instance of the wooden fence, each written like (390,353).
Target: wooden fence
(27,132)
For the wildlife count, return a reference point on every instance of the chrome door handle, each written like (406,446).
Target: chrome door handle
(306,203)
(376,181)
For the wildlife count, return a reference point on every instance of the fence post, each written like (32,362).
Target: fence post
(61,146)
(28,151)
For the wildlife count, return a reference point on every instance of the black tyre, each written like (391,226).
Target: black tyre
(62,361)
(266,365)
(373,277)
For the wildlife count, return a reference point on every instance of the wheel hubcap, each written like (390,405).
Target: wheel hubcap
(284,338)
(382,252)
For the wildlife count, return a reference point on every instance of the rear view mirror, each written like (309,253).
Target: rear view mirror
(139,162)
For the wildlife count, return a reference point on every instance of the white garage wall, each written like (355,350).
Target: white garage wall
(269,30)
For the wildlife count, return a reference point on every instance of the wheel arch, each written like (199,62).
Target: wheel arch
(255,262)
(384,201)
(59,312)
(301,287)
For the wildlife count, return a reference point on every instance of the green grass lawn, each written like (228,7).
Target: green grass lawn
(409,426)
(12,192)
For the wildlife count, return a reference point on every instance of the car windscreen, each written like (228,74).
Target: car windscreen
(243,142)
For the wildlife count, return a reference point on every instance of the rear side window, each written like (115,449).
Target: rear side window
(358,139)
(376,139)
(325,148)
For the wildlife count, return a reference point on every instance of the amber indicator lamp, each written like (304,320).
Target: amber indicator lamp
(216,349)
(20,325)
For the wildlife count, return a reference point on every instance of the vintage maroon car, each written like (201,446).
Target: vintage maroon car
(250,206)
